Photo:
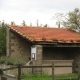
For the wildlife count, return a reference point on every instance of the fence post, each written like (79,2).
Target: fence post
(19,72)
(79,70)
(53,71)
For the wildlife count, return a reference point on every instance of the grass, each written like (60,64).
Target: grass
(46,77)
(66,76)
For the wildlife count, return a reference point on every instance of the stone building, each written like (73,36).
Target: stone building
(43,46)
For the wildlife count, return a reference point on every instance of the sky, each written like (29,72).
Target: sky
(33,10)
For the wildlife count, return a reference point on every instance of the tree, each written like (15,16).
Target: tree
(3,39)
(72,20)
(59,17)
(12,23)
(37,22)
(23,23)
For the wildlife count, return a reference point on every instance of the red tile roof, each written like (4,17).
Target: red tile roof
(40,34)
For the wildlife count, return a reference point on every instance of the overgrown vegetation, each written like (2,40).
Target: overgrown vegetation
(46,77)
(2,39)
(63,40)
(54,39)
(71,41)
(69,20)
(12,61)
(43,38)
(78,40)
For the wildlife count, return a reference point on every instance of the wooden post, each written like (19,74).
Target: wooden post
(52,71)
(19,72)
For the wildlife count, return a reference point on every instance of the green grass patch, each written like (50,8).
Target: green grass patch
(35,77)
(66,76)
(46,77)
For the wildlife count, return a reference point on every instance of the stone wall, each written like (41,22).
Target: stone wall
(57,70)
(17,46)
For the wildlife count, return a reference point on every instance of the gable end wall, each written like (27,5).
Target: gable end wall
(17,46)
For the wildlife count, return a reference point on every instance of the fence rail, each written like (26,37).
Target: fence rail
(19,69)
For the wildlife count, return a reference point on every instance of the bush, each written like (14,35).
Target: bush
(12,61)
(19,61)
(3,59)
(9,61)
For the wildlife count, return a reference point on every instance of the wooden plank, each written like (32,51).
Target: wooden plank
(36,66)
(43,66)
(10,68)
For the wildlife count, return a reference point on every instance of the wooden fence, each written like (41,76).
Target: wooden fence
(19,69)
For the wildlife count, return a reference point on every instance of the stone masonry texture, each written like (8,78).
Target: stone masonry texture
(18,46)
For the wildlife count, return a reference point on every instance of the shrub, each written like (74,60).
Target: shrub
(12,61)
(9,61)
(19,61)
(3,59)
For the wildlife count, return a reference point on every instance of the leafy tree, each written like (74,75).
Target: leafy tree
(59,17)
(3,39)
(72,19)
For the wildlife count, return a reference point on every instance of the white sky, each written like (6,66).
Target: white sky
(31,10)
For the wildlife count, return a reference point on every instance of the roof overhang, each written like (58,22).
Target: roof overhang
(44,44)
